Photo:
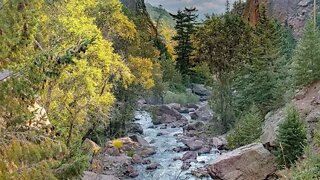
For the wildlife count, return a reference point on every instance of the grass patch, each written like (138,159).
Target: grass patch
(180,98)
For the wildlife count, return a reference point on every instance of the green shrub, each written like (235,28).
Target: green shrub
(247,129)
(171,76)
(308,169)
(291,139)
(201,74)
(181,98)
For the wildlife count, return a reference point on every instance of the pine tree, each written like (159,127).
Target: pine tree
(247,130)
(306,59)
(257,81)
(291,139)
(185,27)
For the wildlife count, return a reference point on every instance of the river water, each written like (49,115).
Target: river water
(169,169)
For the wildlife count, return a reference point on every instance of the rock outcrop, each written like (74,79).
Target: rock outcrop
(306,102)
(251,162)
(293,12)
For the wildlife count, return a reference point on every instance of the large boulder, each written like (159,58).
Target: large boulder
(201,90)
(251,162)
(202,114)
(166,109)
(194,126)
(140,140)
(271,123)
(219,142)
(193,144)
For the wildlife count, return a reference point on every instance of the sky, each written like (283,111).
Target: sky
(204,6)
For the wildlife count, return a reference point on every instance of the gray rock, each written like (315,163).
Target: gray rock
(201,90)
(140,140)
(249,162)
(271,123)
(194,126)
(134,128)
(87,175)
(153,166)
(190,155)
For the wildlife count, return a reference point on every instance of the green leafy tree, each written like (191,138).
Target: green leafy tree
(223,42)
(306,58)
(247,130)
(185,27)
(291,139)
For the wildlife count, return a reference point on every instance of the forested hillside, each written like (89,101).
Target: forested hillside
(119,89)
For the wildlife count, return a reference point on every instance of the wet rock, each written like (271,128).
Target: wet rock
(136,159)
(194,126)
(131,172)
(190,155)
(194,115)
(134,128)
(163,127)
(140,140)
(204,98)
(204,150)
(219,142)
(200,172)
(146,161)
(153,166)
(87,175)
(147,151)
(173,126)
(152,141)
(184,110)
(249,162)
(193,145)
(192,110)
(152,127)
(160,134)
(176,158)
(186,165)
(193,106)
(180,149)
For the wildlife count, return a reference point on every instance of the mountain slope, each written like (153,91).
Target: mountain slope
(156,12)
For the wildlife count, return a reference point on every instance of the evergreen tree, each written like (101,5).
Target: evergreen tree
(306,59)
(223,42)
(185,27)
(257,81)
(291,139)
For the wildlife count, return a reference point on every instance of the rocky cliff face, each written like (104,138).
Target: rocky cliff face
(294,12)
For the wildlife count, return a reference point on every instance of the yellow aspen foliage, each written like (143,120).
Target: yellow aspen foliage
(112,22)
(18,27)
(86,83)
(117,143)
(142,68)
